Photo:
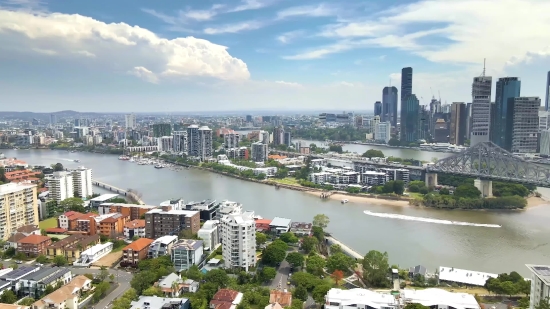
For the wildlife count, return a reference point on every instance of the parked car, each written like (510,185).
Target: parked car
(19,262)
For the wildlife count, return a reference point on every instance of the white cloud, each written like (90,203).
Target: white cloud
(144,74)
(48,52)
(85,53)
(320,10)
(287,37)
(323,51)
(234,28)
(119,45)
(290,84)
(250,5)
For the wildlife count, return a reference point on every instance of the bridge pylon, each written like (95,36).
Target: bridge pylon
(431,179)
(485,186)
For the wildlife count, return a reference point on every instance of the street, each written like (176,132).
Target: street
(281,279)
(122,277)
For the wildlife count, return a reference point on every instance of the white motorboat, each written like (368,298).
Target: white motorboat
(344,201)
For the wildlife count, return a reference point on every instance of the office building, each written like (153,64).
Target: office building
(130,121)
(287,139)
(165,143)
(18,207)
(53,120)
(248,118)
(162,129)
(410,120)
(278,136)
(547,99)
(382,132)
(525,124)
(193,141)
(389,105)
(507,89)
(259,152)
(205,143)
(481,109)
(377,108)
(210,234)
(164,221)
(61,186)
(540,284)
(186,253)
(82,182)
(441,131)
(468,120)
(231,140)
(458,124)
(179,142)
(238,232)
(406,84)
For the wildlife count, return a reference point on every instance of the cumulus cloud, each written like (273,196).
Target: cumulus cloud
(144,74)
(127,47)
(287,37)
(234,28)
(290,84)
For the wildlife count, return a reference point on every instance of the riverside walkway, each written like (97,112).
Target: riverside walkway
(347,250)
(127,193)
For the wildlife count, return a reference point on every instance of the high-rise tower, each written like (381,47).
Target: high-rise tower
(547,99)
(406,83)
(502,118)
(389,105)
(481,108)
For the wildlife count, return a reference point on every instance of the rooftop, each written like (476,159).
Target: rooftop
(469,277)
(139,244)
(541,271)
(168,281)
(10,306)
(360,296)
(16,237)
(439,297)
(301,225)
(188,213)
(167,239)
(104,197)
(28,229)
(155,302)
(34,239)
(283,298)
(12,187)
(96,248)
(47,275)
(135,224)
(189,244)
(278,221)
(19,273)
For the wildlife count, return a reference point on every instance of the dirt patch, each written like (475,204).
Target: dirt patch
(109,260)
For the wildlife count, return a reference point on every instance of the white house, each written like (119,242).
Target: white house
(359,298)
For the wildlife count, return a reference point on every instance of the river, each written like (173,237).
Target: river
(522,239)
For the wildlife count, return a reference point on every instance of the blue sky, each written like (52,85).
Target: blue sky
(260,54)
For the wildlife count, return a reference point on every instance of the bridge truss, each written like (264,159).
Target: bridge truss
(490,162)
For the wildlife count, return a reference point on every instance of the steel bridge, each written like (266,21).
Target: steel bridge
(487,161)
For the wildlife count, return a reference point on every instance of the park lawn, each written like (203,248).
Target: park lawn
(48,223)
(286,181)
(333,284)
(414,195)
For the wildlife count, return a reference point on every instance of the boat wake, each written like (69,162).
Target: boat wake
(427,220)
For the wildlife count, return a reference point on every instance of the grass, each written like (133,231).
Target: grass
(286,181)
(414,195)
(333,284)
(48,223)
(219,257)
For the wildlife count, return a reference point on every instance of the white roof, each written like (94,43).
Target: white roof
(439,297)
(469,277)
(166,239)
(93,250)
(282,222)
(173,212)
(360,297)
(104,197)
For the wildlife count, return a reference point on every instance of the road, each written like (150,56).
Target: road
(281,279)
(122,277)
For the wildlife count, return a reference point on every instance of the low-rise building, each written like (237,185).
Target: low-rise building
(111,225)
(134,228)
(133,211)
(439,298)
(186,253)
(360,298)
(210,234)
(66,297)
(374,178)
(280,225)
(162,246)
(463,276)
(164,221)
(262,225)
(283,298)
(13,240)
(104,198)
(86,224)
(135,252)
(71,246)
(540,284)
(155,302)
(68,220)
(93,254)
(34,284)
(9,278)
(301,228)
(33,245)
(226,299)
(173,285)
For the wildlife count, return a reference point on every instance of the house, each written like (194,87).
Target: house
(29,230)
(226,299)
(34,284)
(71,246)
(186,253)
(134,228)
(135,252)
(283,298)
(301,228)
(262,225)
(360,298)
(172,285)
(439,298)
(13,240)
(280,225)
(33,245)
(67,219)
(68,296)
(155,302)
(162,246)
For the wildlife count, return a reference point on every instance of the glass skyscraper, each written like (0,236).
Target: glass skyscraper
(547,99)
(377,108)
(389,105)
(410,120)
(502,118)
(406,84)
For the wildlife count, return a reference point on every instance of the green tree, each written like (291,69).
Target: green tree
(218,277)
(48,290)
(319,293)
(193,273)
(268,273)
(8,297)
(467,191)
(309,244)
(3,178)
(100,291)
(318,233)
(295,259)
(261,238)
(543,304)
(373,153)
(375,269)
(315,264)
(306,280)
(289,238)
(73,204)
(416,306)
(58,167)
(300,292)
(339,261)
(153,291)
(143,280)
(60,260)
(321,220)
(274,253)
(399,187)
(27,301)
(124,302)
(42,259)
(335,248)
(103,273)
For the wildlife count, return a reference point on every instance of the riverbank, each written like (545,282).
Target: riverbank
(535,201)
(364,199)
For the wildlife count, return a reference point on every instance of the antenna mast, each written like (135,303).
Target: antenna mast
(483,74)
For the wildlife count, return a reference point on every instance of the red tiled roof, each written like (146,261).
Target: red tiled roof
(135,224)
(226,295)
(56,230)
(139,244)
(33,239)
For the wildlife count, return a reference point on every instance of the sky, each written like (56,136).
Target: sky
(232,55)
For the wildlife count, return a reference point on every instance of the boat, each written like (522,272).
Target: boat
(159,166)
(76,160)
(344,201)
(123,158)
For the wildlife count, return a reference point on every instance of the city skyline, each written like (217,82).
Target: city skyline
(205,56)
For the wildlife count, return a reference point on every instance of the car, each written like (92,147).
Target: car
(19,262)
(39,264)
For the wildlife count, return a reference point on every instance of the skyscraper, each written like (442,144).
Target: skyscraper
(53,120)
(459,123)
(507,88)
(205,143)
(162,129)
(82,182)
(377,108)
(481,109)
(410,120)
(193,141)
(278,136)
(525,124)
(547,100)
(238,232)
(389,105)
(130,121)
(406,84)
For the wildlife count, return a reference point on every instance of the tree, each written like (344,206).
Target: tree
(289,238)
(375,269)
(153,291)
(300,293)
(306,280)
(318,233)
(143,280)
(309,244)
(337,275)
(60,260)
(27,301)
(543,304)
(444,191)
(103,273)
(100,291)
(416,306)
(335,248)
(339,261)
(193,273)
(315,264)
(73,204)
(58,167)
(268,273)
(218,277)
(125,300)
(399,187)
(49,289)
(112,278)
(373,153)
(261,238)
(3,178)
(295,259)
(319,293)
(42,259)
(8,297)
(321,220)
(467,191)
(275,252)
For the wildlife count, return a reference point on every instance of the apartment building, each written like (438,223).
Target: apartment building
(164,221)
(238,232)
(162,246)
(210,234)
(259,151)
(133,211)
(61,186)
(68,220)
(111,225)
(72,246)
(186,253)
(82,182)
(135,252)
(66,297)
(18,207)
(34,284)
(205,143)
(86,224)
(231,140)
(134,228)
(33,245)
(540,284)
